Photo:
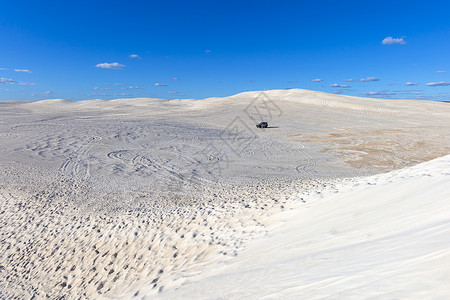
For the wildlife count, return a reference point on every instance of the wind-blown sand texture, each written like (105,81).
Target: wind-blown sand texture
(115,198)
(381,237)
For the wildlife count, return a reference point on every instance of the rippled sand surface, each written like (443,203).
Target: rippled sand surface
(110,198)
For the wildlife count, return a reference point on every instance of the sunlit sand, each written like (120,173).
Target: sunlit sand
(187,198)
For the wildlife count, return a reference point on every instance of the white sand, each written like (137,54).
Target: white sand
(125,197)
(379,237)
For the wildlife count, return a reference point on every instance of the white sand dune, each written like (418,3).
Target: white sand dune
(380,237)
(123,198)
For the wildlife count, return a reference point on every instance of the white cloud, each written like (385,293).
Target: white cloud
(339,85)
(11,81)
(98,95)
(369,79)
(131,88)
(317,80)
(349,80)
(207,51)
(160,84)
(7,80)
(101,88)
(379,94)
(22,70)
(441,83)
(441,72)
(42,94)
(115,83)
(3,69)
(408,92)
(411,83)
(112,66)
(390,40)
(414,92)
(125,94)
(134,56)
(175,79)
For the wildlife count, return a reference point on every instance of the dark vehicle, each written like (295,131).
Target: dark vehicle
(262,125)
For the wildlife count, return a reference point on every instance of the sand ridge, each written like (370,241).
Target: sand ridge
(384,237)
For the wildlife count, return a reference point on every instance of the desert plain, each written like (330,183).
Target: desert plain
(143,198)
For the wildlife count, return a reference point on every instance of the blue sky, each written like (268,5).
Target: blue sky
(196,49)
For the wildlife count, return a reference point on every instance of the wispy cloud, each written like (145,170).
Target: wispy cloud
(292,81)
(160,84)
(379,94)
(3,69)
(132,88)
(23,71)
(101,88)
(390,40)
(207,51)
(349,80)
(173,92)
(408,92)
(125,94)
(441,72)
(339,85)
(176,79)
(411,83)
(11,81)
(98,95)
(7,80)
(134,56)
(367,79)
(317,80)
(441,83)
(42,94)
(26,83)
(112,66)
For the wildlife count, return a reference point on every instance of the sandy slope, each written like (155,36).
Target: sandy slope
(112,198)
(380,237)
